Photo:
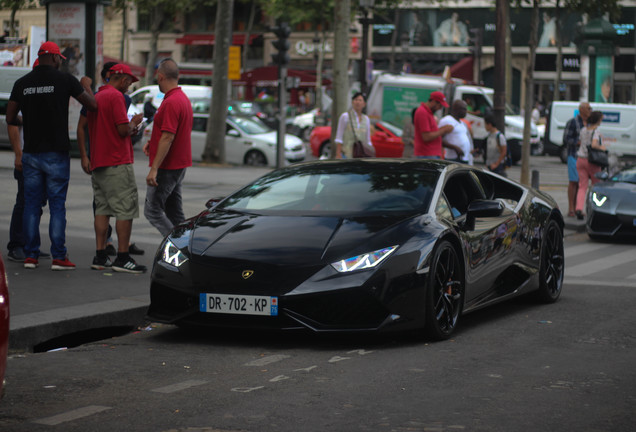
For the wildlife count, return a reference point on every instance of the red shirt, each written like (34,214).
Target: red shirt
(174,116)
(425,121)
(107,147)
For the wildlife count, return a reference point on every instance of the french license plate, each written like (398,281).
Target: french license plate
(238,304)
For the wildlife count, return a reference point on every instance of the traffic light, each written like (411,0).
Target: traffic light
(476,41)
(282,31)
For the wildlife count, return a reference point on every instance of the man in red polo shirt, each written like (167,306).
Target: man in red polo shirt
(169,150)
(111,163)
(427,143)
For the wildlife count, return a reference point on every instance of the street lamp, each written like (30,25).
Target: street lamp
(365,5)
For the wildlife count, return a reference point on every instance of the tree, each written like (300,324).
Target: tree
(160,13)
(15,6)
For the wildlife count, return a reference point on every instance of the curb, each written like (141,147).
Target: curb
(30,330)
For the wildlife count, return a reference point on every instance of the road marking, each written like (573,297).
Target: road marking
(72,415)
(307,369)
(584,248)
(179,386)
(246,389)
(335,359)
(360,352)
(279,378)
(267,360)
(601,265)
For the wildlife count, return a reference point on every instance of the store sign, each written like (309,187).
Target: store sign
(547,63)
(304,48)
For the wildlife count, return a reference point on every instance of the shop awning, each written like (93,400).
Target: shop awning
(463,69)
(208,39)
(138,71)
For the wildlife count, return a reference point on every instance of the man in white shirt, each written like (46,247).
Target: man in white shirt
(457,144)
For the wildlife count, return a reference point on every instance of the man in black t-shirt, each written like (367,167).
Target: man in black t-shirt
(42,96)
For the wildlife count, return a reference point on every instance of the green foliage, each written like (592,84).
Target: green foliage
(596,8)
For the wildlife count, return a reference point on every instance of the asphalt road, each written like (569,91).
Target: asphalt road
(519,366)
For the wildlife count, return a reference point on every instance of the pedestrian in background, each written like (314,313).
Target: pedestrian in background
(408,135)
(353,126)
(42,96)
(496,147)
(457,144)
(169,151)
(589,136)
(572,141)
(428,136)
(111,167)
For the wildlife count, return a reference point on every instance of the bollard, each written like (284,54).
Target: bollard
(535,179)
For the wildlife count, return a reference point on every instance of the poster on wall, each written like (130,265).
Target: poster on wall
(67,28)
(603,79)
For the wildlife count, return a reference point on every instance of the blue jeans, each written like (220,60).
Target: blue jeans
(16,239)
(163,206)
(46,175)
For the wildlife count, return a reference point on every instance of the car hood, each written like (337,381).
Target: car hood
(291,141)
(621,196)
(517,121)
(289,240)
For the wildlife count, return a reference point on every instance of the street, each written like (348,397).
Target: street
(518,366)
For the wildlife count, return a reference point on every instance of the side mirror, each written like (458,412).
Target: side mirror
(482,209)
(233,133)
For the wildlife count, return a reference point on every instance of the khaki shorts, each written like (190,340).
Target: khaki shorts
(115,192)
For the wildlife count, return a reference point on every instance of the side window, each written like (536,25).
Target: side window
(3,107)
(139,97)
(460,190)
(200,124)
(477,104)
(443,210)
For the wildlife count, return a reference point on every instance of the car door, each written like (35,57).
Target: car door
(486,243)
(235,144)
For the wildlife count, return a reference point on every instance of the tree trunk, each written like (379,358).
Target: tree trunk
(394,39)
(215,141)
(248,32)
(342,21)
(529,102)
(156,23)
(559,58)
(319,63)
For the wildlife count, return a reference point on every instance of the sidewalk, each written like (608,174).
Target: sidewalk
(47,304)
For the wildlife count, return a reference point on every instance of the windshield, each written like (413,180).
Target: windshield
(326,189)
(251,125)
(626,176)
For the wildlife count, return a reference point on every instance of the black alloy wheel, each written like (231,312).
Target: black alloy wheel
(255,158)
(445,295)
(552,264)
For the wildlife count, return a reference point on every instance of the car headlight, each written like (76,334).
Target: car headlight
(599,199)
(172,255)
(363,261)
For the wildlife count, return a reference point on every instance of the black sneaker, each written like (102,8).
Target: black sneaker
(101,263)
(16,255)
(133,249)
(129,266)
(110,250)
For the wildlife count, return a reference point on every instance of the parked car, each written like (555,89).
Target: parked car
(4,323)
(385,137)
(138,97)
(4,134)
(360,245)
(611,205)
(248,141)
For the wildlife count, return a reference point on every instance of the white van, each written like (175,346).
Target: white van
(138,96)
(393,97)
(618,127)
(9,75)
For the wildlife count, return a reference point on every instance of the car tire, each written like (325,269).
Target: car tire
(445,292)
(325,150)
(552,267)
(305,134)
(255,158)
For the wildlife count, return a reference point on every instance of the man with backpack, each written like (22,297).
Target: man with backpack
(496,147)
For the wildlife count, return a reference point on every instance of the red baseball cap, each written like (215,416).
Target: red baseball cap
(36,62)
(439,97)
(50,48)
(121,68)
